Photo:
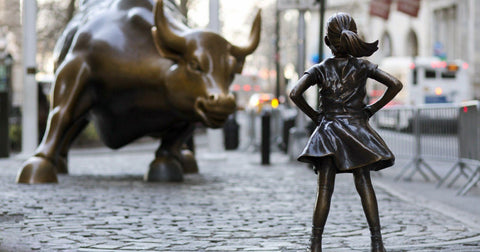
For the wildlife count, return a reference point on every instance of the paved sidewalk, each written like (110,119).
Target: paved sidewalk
(233,204)
(465,207)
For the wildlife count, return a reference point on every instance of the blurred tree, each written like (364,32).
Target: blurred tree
(71,9)
(11,27)
(52,17)
(264,57)
(184,8)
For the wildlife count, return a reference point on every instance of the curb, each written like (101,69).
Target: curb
(468,219)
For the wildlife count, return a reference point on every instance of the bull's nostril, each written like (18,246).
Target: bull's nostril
(213,97)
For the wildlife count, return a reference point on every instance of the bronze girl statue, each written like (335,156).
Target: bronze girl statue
(343,140)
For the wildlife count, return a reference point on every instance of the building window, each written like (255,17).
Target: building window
(445,33)
(412,44)
(386,45)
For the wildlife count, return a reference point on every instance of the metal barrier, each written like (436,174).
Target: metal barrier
(448,133)
(441,132)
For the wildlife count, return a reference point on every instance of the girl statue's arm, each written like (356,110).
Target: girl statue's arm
(393,87)
(297,97)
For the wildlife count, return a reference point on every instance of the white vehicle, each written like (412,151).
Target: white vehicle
(426,81)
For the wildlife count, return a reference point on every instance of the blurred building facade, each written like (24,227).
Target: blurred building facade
(11,43)
(443,28)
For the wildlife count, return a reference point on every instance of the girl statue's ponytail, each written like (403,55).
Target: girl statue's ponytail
(351,43)
(343,38)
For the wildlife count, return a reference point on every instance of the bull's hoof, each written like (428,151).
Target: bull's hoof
(188,162)
(164,169)
(37,170)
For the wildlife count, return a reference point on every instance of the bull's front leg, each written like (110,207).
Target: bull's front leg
(171,161)
(68,108)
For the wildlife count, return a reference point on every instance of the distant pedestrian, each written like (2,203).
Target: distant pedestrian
(343,141)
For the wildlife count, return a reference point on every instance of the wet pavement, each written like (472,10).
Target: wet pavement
(233,204)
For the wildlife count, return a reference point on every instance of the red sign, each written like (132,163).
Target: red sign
(409,7)
(380,8)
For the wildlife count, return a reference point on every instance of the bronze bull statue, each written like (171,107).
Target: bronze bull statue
(135,72)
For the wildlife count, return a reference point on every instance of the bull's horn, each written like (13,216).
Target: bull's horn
(163,35)
(242,51)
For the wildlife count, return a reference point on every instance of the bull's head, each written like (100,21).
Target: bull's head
(204,67)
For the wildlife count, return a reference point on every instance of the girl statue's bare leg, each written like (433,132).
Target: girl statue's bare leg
(370,206)
(326,182)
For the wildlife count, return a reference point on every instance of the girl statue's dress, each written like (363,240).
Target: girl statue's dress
(343,131)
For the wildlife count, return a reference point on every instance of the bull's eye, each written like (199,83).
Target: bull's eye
(195,66)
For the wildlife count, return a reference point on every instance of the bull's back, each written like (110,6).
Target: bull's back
(107,23)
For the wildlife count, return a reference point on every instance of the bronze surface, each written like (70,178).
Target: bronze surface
(135,71)
(343,140)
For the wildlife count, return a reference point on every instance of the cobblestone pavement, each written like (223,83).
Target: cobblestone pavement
(233,204)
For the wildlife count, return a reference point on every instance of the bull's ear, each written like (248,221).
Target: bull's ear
(239,65)
(167,42)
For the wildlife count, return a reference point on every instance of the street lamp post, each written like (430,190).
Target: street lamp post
(277,52)
(321,35)
(301,43)
(215,136)
(30,88)
(322,28)
(214,20)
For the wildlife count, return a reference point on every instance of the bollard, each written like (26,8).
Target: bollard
(4,127)
(5,72)
(190,144)
(265,147)
(231,133)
